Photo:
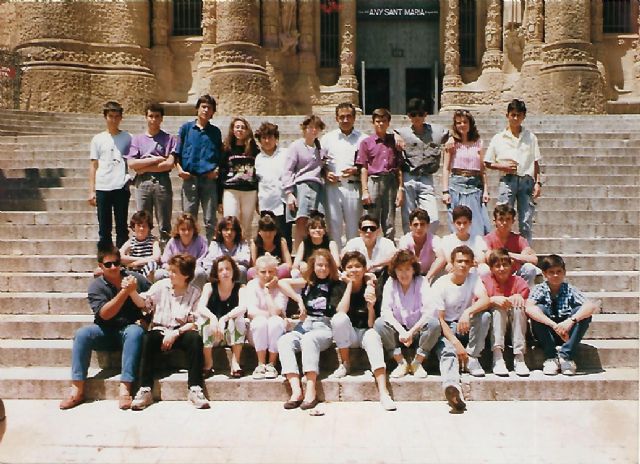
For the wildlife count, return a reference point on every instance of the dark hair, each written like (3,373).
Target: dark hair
(461,211)
(213,275)
(504,210)
(310,276)
(312,120)
(465,250)
(206,98)
(550,261)
(141,217)
(516,105)
(403,257)
(112,106)
(108,249)
(250,145)
(232,221)
(416,105)
(353,255)
(368,217)
(184,218)
(154,107)
(497,256)
(185,263)
(267,223)
(316,219)
(267,128)
(420,214)
(381,113)
(473,129)
(346,106)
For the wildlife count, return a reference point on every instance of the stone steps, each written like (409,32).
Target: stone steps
(53,383)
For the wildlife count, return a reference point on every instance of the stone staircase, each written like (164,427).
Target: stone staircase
(589,214)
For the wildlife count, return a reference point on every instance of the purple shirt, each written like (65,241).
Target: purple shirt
(303,164)
(197,248)
(378,156)
(145,146)
(406,308)
(427,254)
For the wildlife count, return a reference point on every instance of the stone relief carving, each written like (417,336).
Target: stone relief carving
(347,57)
(451,48)
(209,22)
(289,35)
(568,55)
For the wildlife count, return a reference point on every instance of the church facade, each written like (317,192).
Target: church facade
(299,56)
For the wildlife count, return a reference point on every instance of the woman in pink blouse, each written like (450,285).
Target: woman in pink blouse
(464,181)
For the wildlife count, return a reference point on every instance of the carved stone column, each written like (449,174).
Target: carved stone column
(77,55)
(569,73)
(530,87)
(452,46)
(492,57)
(239,78)
(161,56)
(205,61)
(308,84)
(348,46)
(271,44)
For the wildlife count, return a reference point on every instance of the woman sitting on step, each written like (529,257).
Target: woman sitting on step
(270,240)
(322,296)
(317,238)
(228,241)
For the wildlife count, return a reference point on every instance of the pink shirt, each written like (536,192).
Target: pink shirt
(515,284)
(253,298)
(467,156)
(378,156)
(515,244)
(427,253)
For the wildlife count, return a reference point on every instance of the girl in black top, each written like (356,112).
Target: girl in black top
(269,240)
(317,239)
(322,295)
(224,324)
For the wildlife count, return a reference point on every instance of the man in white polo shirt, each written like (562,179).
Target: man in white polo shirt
(516,153)
(343,184)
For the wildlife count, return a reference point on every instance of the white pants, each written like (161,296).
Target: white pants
(264,333)
(241,205)
(346,336)
(344,206)
(518,320)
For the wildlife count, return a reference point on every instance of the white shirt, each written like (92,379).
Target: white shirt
(454,299)
(475,242)
(505,146)
(253,298)
(171,311)
(110,150)
(269,171)
(383,249)
(341,149)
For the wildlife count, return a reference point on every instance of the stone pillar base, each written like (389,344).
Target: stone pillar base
(571,90)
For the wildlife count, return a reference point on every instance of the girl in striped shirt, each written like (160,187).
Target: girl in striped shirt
(142,251)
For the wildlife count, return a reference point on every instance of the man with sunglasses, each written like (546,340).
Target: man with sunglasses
(419,139)
(377,249)
(116,327)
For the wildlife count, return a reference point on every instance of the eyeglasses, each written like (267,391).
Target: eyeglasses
(369,228)
(413,114)
(110,264)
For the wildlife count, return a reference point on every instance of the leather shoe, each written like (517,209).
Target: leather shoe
(309,404)
(124,402)
(292,404)
(71,402)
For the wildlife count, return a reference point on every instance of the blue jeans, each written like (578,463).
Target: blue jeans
(154,191)
(116,201)
(419,193)
(549,339)
(426,340)
(95,338)
(196,191)
(519,189)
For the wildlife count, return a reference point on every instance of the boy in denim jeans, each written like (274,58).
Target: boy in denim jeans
(560,315)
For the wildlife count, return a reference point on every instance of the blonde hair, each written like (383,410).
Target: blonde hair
(267,260)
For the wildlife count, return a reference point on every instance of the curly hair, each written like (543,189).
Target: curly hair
(403,257)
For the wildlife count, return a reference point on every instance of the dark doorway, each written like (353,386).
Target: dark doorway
(419,84)
(376,89)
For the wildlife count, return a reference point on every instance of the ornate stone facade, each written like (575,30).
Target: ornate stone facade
(262,56)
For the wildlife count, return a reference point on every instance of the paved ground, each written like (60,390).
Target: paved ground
(263,432)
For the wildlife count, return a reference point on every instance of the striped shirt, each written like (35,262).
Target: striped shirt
(467,156)
(141,249)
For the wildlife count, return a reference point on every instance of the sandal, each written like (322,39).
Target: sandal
(237,373)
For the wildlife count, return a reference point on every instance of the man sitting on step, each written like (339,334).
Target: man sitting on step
(116,327)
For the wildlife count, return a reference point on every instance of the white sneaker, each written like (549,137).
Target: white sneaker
(143,399)
(270,372)
(400,371)
(387,402)
(474,368)
(340,372)
(500,368)
(418,370)
(259,372)
(567,366)
(550,366)
(520,367)
(197,398)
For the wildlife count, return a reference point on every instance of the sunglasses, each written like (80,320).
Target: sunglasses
(369,228)
(110,264)
(413,114)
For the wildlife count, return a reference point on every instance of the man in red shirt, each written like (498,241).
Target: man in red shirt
(507,295)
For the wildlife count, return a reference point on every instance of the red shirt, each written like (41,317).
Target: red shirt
(515,244)
(515,284)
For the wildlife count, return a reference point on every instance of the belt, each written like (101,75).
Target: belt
(465,172)
(383,174)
